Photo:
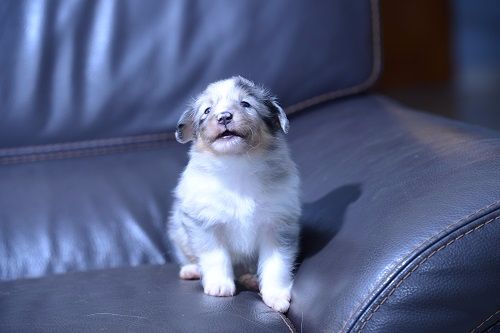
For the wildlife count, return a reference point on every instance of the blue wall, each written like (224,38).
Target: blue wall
(476,33)
(476,27)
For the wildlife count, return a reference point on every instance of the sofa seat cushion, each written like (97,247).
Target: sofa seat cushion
(77,209)
(141,299)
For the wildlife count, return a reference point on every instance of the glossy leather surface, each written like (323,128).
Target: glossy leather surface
(386,191)
(79,70)
(389,191)
(142,299)
(86,213)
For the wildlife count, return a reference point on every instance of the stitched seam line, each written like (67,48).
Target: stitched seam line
(99,143)
(376,67)
(492,327)
(484,321)
(288,323)
(79,153)
(418,248)
(394,288)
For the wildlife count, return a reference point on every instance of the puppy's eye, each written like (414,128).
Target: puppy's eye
(207,110)
(245,104)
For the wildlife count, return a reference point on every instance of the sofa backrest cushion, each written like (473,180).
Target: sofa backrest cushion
(79,70)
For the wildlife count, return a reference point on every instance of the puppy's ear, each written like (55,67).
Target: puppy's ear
(281,116)
(185,126)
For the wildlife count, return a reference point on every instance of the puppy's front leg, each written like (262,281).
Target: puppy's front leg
(275,274)
(217,272)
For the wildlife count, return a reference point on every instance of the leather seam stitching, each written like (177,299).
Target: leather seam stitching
(407,275)
(288,323)
(78,153)
(492,327)
(420,246)
(86,144)
(484,321)
(82,151)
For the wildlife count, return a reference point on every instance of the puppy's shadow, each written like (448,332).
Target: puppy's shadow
(323,218)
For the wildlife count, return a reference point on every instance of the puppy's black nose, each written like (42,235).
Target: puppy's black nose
(224,118)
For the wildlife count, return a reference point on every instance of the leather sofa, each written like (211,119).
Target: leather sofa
(401,209)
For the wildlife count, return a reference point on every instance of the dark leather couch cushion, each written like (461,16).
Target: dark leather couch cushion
(142,299)
(74,70)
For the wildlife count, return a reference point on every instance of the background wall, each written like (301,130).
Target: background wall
(443,56)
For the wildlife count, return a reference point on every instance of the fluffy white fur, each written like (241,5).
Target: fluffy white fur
(237,203)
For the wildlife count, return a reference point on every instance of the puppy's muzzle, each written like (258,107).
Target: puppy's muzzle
(224,118)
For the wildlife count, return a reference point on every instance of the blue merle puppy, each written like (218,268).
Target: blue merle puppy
(237,202)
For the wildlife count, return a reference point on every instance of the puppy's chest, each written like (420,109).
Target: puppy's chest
(239,200)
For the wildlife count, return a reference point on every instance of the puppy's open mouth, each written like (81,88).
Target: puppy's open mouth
(227,134)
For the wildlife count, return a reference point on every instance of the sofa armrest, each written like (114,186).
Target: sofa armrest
(401,221)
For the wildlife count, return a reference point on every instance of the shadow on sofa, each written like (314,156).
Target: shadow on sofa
(331,208)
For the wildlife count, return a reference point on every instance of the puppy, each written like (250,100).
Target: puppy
(237,205)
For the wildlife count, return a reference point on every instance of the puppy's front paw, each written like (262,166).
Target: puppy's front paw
(189,272)
(278,299)
(223,287)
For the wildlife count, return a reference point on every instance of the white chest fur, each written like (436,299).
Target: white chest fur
(235,195)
